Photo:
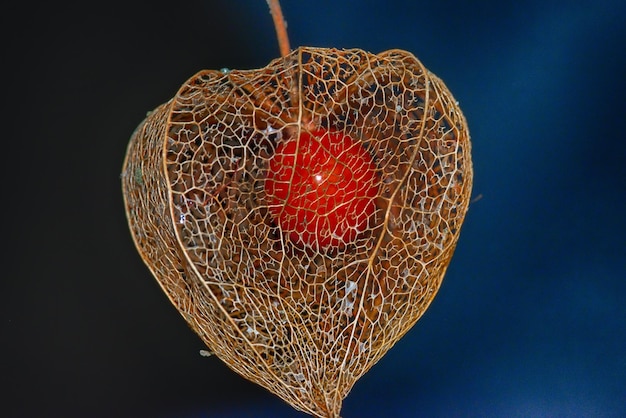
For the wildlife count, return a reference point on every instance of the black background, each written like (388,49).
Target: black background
(530,320)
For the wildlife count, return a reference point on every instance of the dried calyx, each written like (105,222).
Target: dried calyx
(302,216)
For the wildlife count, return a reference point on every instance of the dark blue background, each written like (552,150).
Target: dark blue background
(531,318)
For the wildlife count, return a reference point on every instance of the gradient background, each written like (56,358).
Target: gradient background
(531,318)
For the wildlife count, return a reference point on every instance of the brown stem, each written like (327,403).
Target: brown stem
(281,27)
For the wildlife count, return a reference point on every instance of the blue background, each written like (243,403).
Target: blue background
(531,318)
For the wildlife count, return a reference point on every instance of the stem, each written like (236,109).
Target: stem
(281,27)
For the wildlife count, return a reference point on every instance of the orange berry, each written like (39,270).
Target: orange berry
(321,188)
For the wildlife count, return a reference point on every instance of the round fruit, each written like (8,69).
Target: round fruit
(321,188)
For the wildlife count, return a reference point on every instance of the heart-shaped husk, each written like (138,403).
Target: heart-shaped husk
(304,324)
